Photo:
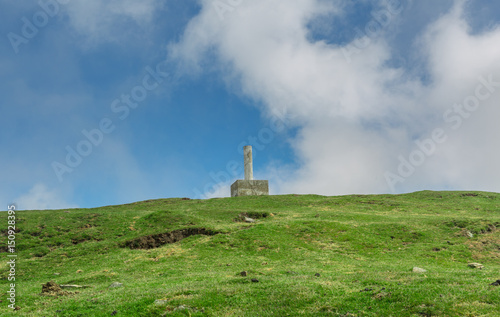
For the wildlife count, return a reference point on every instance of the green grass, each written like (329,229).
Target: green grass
(355,243)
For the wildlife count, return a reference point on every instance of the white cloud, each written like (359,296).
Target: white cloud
(40,197)
(356,117)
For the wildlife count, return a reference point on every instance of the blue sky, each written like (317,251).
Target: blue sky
(110,102)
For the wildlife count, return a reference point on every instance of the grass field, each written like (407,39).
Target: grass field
(307,256)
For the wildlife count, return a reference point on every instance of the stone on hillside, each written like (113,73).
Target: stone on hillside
(188,309)
(476,265)
(249,220)
(419,270)
(181,307)
(74,286)
(115,285)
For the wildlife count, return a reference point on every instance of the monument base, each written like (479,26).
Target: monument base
(249,188)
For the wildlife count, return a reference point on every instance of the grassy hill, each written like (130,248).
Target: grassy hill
(304,256)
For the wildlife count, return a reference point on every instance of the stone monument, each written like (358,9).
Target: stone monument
(249,186)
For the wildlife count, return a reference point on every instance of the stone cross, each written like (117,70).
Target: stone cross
(247,155)
(249,186)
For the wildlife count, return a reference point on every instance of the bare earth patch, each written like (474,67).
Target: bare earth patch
(53,289)
(157,240)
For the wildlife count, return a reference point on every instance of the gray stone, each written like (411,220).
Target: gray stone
(476,265)
(249,220)
(419,270)
(115,285)
(181,307)
(249,186)
(161,302)
(188,309)
(74,286)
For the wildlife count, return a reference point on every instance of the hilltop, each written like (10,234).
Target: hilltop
(304,255)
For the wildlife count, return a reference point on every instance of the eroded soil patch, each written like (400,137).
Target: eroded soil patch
(157,240)
(53,289)
(475,226)
(469,195)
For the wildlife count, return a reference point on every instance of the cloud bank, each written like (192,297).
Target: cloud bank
(363,123)
(41,197)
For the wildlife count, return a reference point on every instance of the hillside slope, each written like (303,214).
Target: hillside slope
(304,255)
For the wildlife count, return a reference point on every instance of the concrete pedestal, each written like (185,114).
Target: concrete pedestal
(250,188)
